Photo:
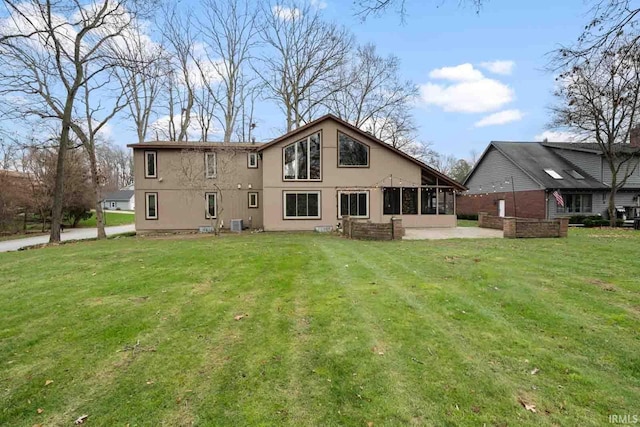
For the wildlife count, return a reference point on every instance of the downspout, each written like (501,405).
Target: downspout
(546,204)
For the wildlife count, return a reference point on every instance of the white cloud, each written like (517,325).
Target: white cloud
(557,136)
(459,73)
(286,13)
(500,118)
(319,4)
(504,68)
(467,97)
(468,91)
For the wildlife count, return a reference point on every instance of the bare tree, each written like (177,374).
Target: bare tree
(367,8)
(48,50)
(612,22)
(141,71)
(200,177)
(302,59)
(180,43)
(116,166)
(598,99)
(229,30)
(372,90)
(94,117)
(444,163)
(9,150)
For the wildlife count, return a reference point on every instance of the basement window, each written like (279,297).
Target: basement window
(553,174)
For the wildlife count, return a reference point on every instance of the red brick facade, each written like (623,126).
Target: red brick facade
(529,204)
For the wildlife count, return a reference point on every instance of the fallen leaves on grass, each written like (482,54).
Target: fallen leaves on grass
(535,371)
(40,410)
(528,406)
(81,419)
(47,382)
(240,316)
(603,285)
(377,350)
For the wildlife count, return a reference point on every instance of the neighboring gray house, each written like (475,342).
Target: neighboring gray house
(523,178)
(122,200)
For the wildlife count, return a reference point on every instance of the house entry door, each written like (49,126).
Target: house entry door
(501,208)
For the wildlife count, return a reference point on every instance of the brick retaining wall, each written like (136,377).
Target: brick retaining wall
(489,221)
(525,227)
(367,230)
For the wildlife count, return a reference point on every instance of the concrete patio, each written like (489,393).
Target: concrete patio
(452,233)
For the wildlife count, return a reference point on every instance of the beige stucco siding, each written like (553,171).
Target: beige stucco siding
(386,168)
(181,186)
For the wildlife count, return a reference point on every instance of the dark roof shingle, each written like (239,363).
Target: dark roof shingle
(534,157)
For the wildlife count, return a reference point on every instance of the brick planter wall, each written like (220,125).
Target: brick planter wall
(489,221)
(367,230)
(525,227)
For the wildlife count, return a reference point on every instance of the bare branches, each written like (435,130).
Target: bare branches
(229,31)
(302,60)
(598,98)
(367,8)
(49,50)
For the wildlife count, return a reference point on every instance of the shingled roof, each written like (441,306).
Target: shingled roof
(534,157)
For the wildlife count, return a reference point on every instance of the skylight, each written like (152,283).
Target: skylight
(553,174)
(575,174)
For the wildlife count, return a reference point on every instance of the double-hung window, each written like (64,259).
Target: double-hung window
(301,160)
(301,205)
(252,160)
(354,204)
(150,164)
(253,199)
(151,208)
(211,168)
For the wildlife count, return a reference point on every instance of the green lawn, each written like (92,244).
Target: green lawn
(111,218)
(137,331)
(467,223)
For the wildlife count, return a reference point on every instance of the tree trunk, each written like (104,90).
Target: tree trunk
(95,181)
(612,206)
(58,191)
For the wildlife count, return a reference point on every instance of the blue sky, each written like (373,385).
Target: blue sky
(448,35)
(442,47)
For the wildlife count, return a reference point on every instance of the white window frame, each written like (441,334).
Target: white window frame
(252,160)
(113,205)
(308,139)
(146,207)
(207,155)
(207,215)
(284,205)
(146,164)
(253,193)
(340,193)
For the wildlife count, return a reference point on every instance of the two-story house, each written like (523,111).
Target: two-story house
(310,177)
(547,180)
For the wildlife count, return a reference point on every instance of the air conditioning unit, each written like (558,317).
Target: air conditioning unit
(236,225)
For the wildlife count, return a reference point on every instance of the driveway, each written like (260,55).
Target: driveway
(451,233)
(69,234)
